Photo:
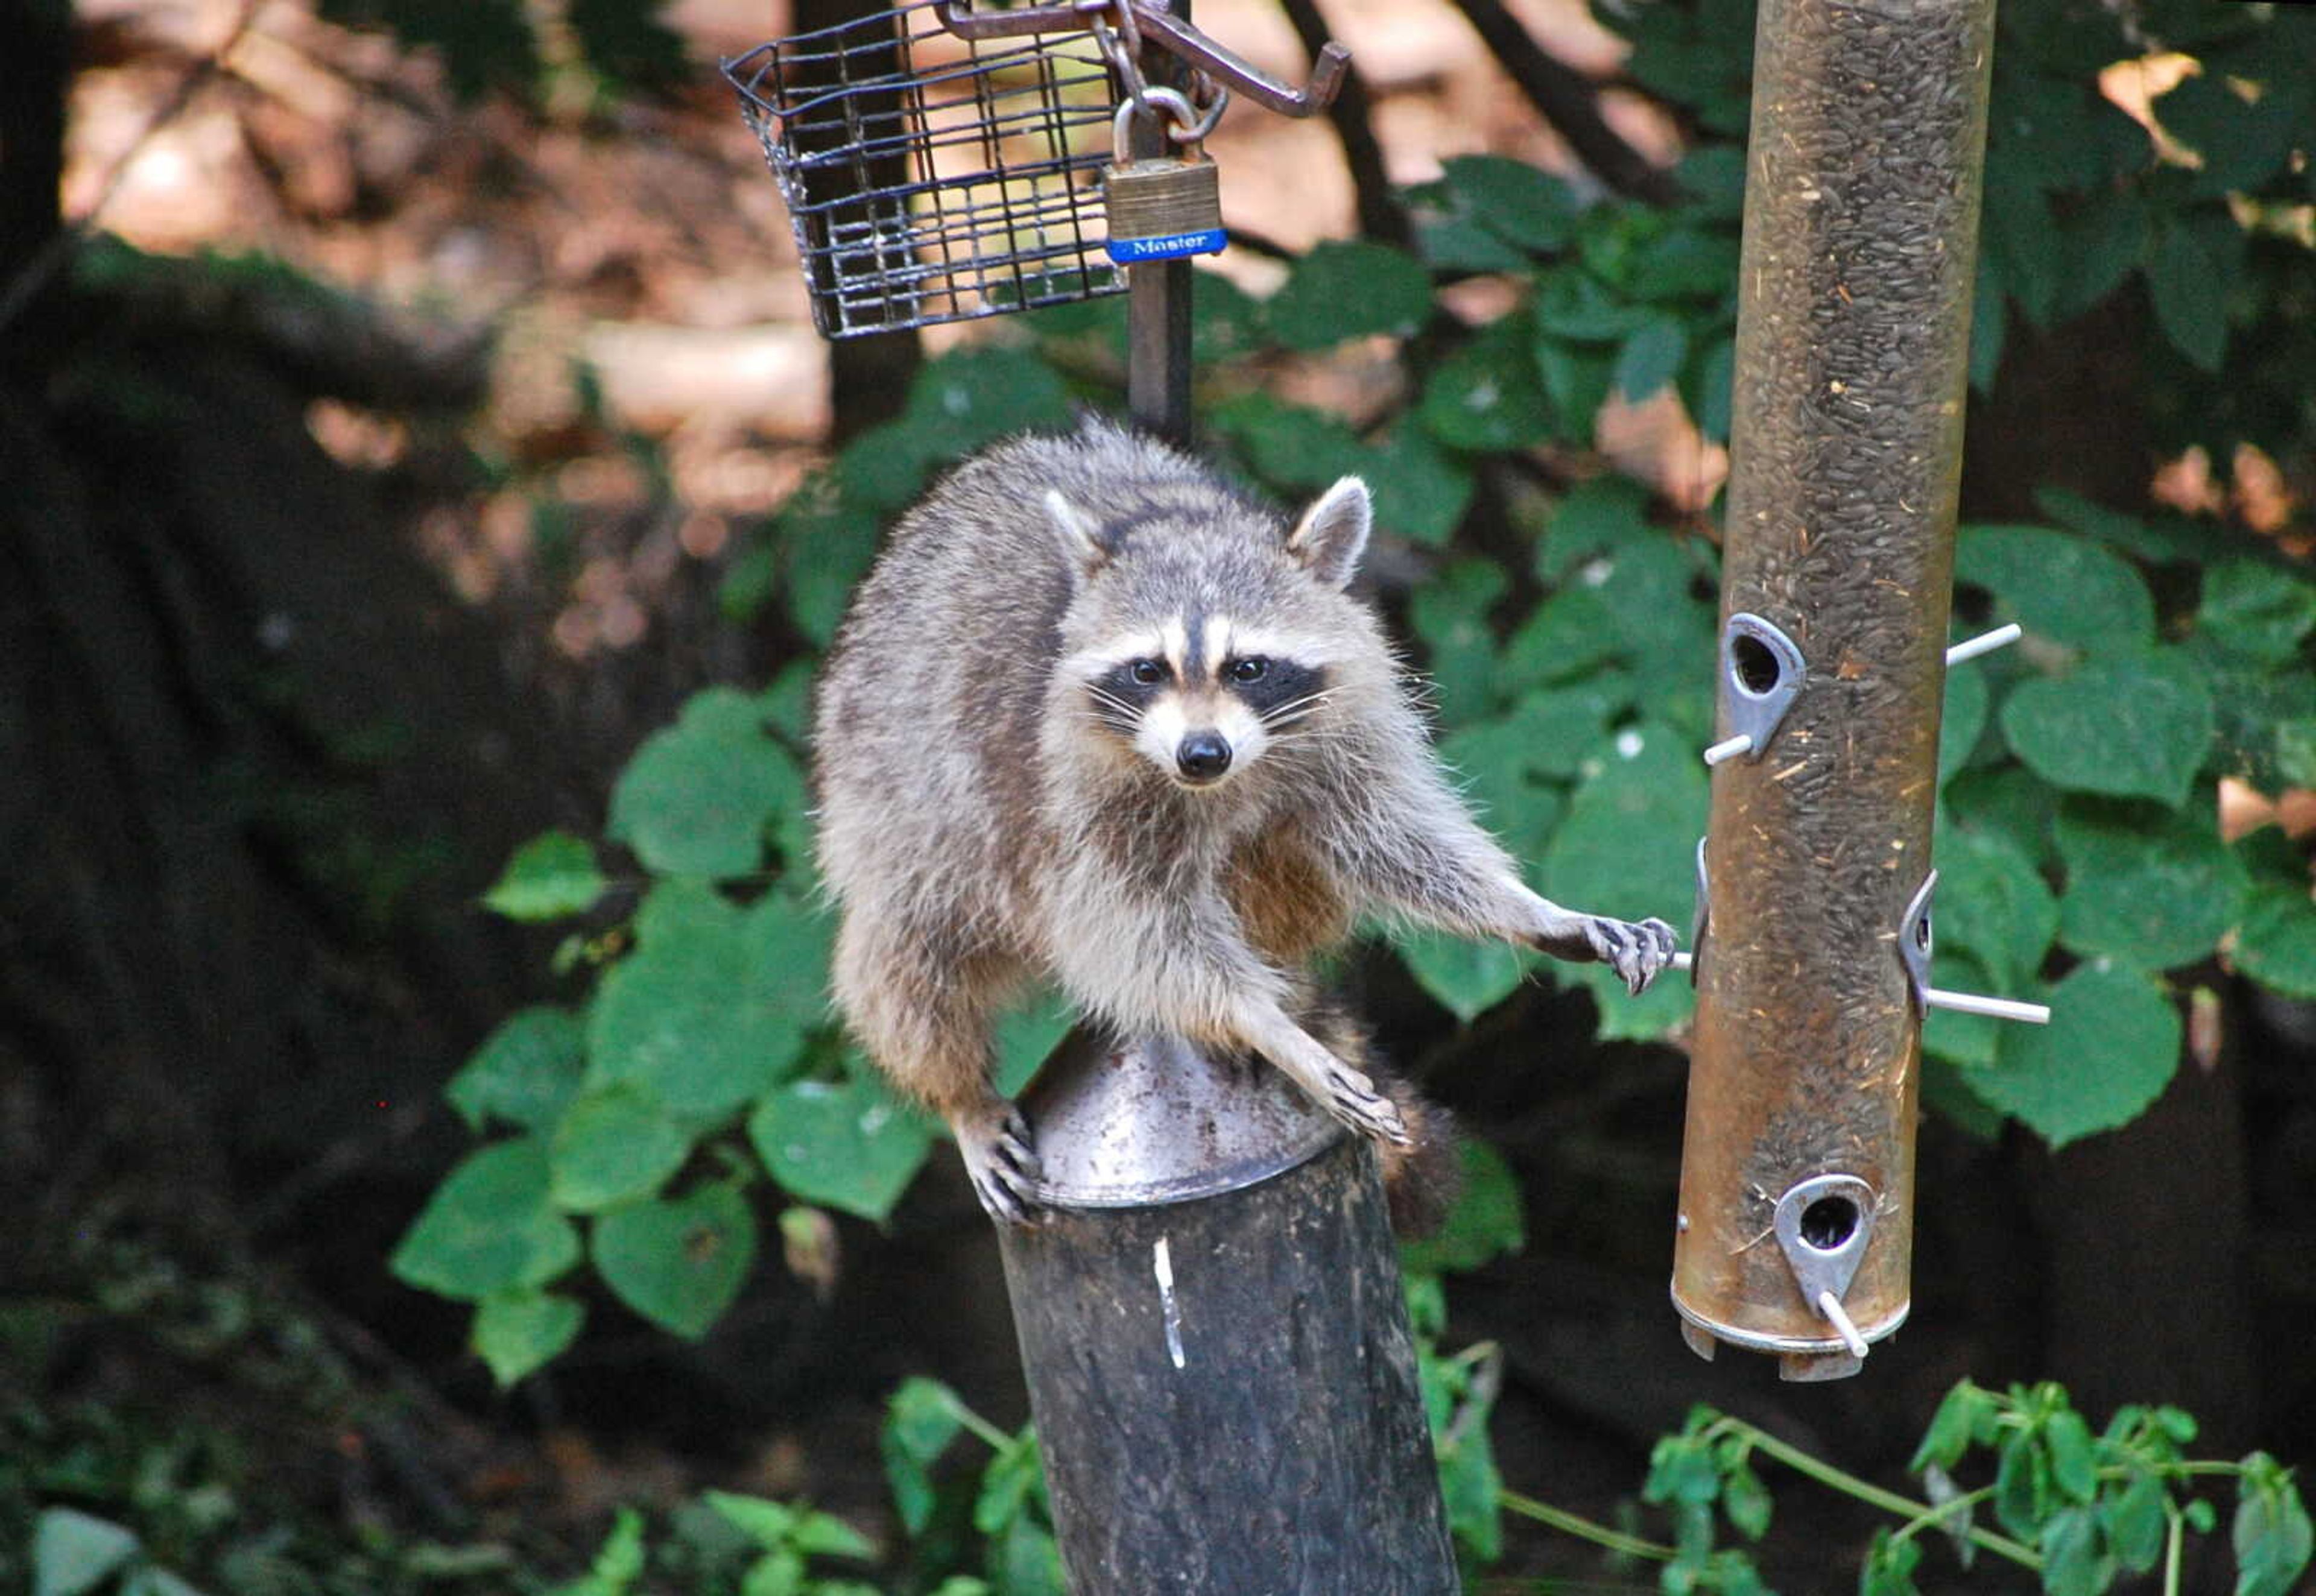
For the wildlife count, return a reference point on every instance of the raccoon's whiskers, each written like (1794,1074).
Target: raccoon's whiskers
(1295,709)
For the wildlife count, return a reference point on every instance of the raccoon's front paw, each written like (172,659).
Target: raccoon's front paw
(1635,952)
(1001,1161)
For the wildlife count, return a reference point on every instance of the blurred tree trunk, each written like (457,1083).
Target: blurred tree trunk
(35,67)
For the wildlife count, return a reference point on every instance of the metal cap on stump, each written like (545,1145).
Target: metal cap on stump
(1216,1345)
(1861,217)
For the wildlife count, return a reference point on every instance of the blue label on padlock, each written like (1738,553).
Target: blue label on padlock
(1126,252)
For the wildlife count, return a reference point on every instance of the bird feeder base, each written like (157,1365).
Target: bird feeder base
(1800,1358)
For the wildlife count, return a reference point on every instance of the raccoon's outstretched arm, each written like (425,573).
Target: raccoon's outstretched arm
(1403,839)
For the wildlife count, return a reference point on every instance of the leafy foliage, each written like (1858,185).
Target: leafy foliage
(1570,671)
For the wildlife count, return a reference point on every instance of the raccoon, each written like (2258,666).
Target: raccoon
(1100,717)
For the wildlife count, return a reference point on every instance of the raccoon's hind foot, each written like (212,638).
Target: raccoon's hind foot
(1635,950)
(1001,1160)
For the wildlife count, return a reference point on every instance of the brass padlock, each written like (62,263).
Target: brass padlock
(1161,207)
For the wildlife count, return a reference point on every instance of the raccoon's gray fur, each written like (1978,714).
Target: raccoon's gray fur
(1098,716)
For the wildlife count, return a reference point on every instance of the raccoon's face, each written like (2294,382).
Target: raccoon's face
(1203,698)
(1209,643)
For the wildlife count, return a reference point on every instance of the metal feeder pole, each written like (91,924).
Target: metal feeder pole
(1861,220)
(1209,1307)
(1158,293)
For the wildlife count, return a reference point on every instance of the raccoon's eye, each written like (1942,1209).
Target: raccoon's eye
(1252,669)
(1148,672)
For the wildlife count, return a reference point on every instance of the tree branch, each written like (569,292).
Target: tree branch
(1569,101)
(1381,216)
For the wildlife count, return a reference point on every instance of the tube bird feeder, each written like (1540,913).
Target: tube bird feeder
(1795,1226)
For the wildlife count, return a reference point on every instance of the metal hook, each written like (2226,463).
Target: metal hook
(1231,70)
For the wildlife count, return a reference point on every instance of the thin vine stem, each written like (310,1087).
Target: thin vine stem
(1865,1491)
(2174,1543)
(1583,1528)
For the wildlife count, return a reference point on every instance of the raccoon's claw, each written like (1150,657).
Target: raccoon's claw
(1351,1097)
(1634,951)
(1000,1159)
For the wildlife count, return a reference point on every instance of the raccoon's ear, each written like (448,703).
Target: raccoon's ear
(1081,538)
(1334,532)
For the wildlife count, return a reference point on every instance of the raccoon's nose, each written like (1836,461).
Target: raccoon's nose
(1203,755)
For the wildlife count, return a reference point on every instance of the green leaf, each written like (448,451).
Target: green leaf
(1747,1503)
(2149,886)
(1487,396)
(74,1551)
(2073,1560)
(488,1227)
(824,1535)
(619,1561)
(1472,1489)
(1953,1427)
(2109,1050)
(1450,238)
(1992,904)
(768,1524)
(1650,357)
(614,1144)
(1226,320)
(1571,307)
(2253,608)
(710,1008)
(2136,1521)
(2188,280)
(1291,446)
(627,43)
(1349,288)
(2022,1486)
(1420,490)
(679,1263)
(1628,849)
(1570,635)
(780,1571)
(1007,1484)
(1602,513)
(1576,383)
(149,1580)
(1522,203)
(1486,1223)
(2241,142)
(2074,1457)
(2127,728)
(1714,395)
(1681,1469)
(923,1417)
(484,46)
(1450,614)
(697,798)
(525,1073)
(1968,1041)
(977,394)
(2271,1533)
(2011,801)
(1686,264)
(1466,978)
(2059,586)
(2276,946)
(1889,1569)
(1027,1036)
(518,1332)
(844,1145)
(1962,720)
(551,876)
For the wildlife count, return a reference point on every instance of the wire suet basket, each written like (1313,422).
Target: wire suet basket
(931,178)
